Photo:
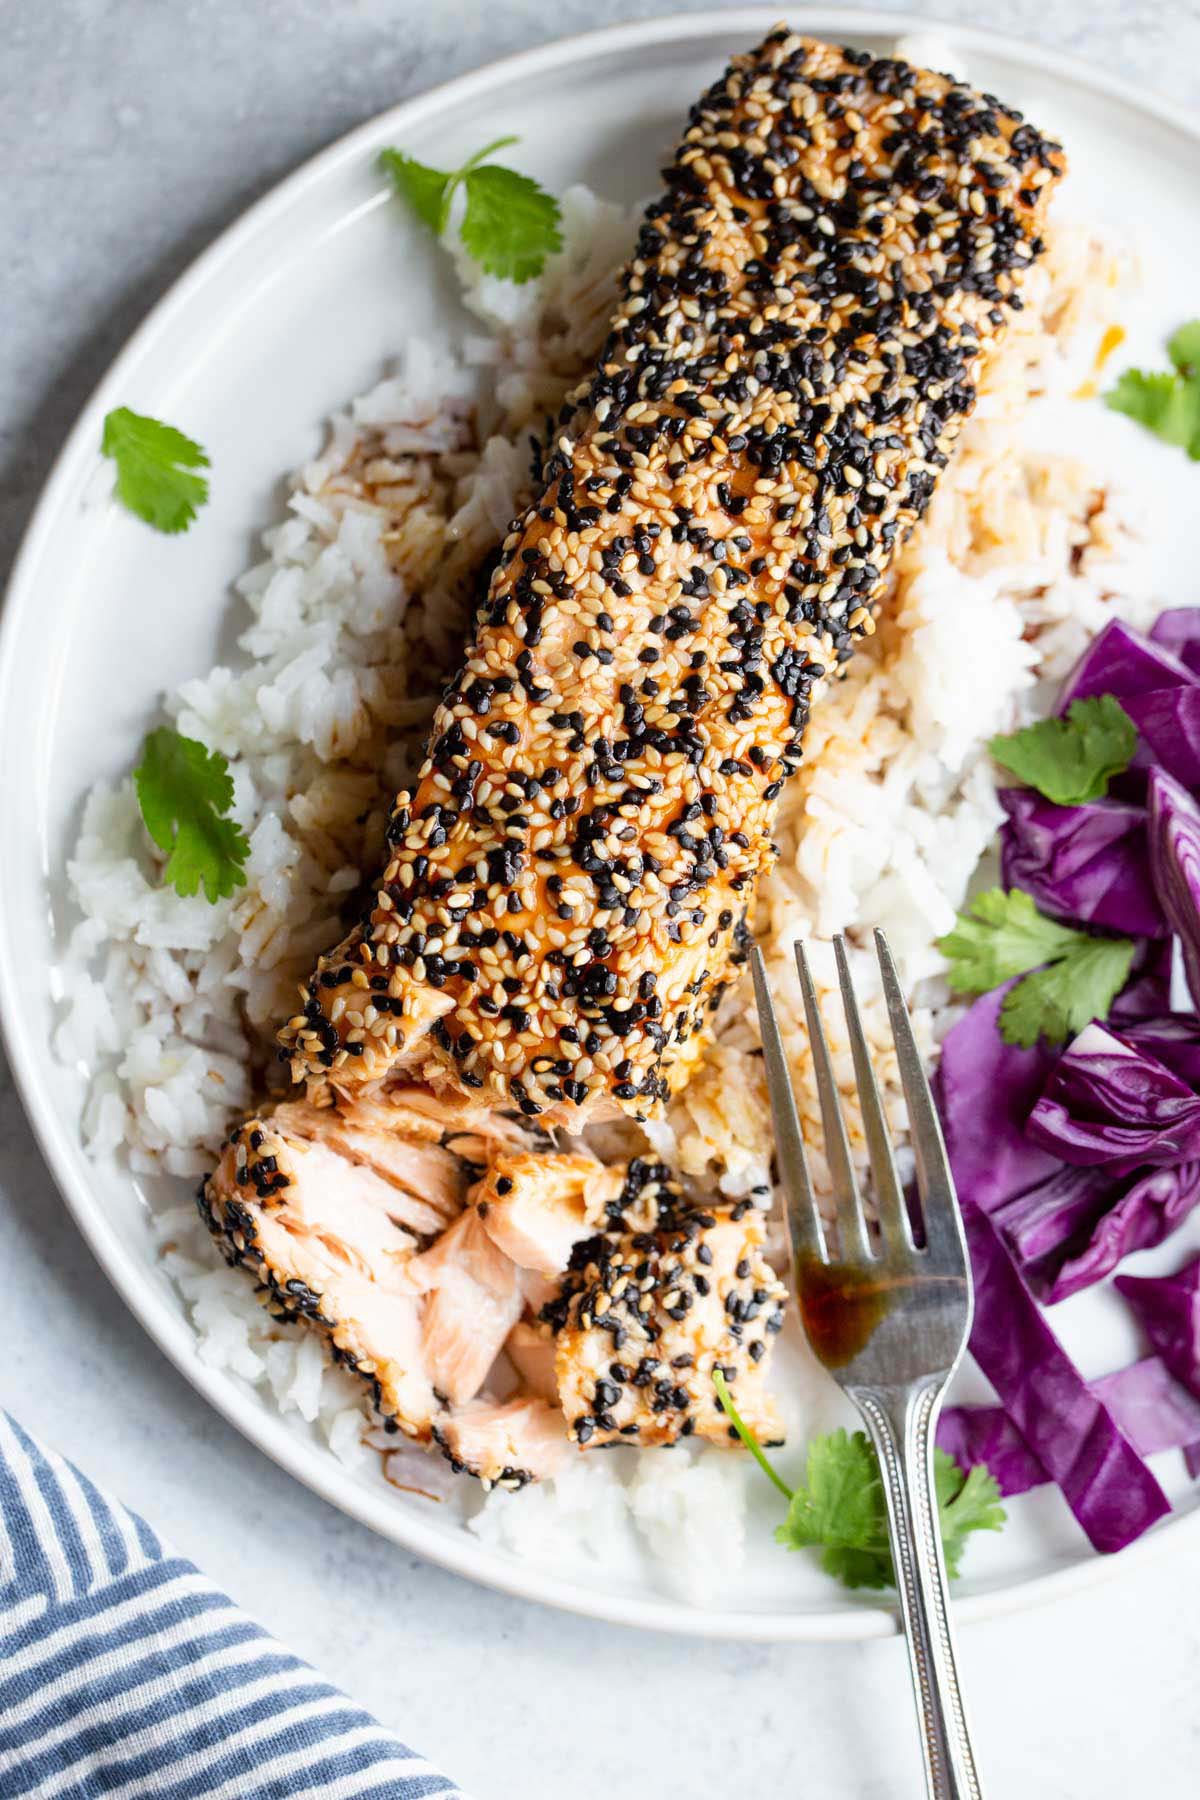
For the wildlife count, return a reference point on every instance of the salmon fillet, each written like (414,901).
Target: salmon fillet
(799,339)
(411,1293)
(612,1298)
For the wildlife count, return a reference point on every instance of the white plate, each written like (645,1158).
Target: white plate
(286,316)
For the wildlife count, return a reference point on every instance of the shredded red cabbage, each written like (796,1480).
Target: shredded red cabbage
(1070,1429)
(1178,632)
(1067,1160)
(1168,1310)
(1121,661)
(1151,1407)
(1088,862)
(986,1089)
(1175,864)
(1148,1210)
(1109,1102)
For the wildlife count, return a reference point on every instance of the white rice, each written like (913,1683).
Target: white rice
(348,621)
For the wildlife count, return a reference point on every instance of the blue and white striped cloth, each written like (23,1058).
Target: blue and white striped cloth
(124,1673)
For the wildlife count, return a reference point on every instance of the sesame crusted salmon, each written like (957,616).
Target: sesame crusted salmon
(358,1218)
(611,1297)
(652,1305)
(318,1234)
(799,338)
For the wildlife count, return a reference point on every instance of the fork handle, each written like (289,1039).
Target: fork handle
(901,1426)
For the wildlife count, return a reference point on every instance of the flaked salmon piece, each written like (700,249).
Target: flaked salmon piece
(324,1235)
(506,1443)
(646,1315)
(475,1297)
(457,1121)
(429,1182)
(317,1233)
(798,338)
(536,1208)
(530,1349)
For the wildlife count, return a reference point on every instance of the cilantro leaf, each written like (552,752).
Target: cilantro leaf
(841,1510)
(1073,759)
(1003,934)
(426,190)
(510,224)
(1058,1001)
(841,1505)
(966,1503)
(1184,348)
(153,463)
(185,792)
(1166,403)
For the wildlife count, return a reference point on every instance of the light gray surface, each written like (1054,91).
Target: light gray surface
(129,134)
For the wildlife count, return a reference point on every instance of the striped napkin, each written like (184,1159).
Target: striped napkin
(123,1672)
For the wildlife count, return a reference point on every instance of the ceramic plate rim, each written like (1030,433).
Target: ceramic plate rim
(461,1553)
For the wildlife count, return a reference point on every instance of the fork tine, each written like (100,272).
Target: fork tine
(944,1237)
(889,1200)
(854,1245)
(803,1221)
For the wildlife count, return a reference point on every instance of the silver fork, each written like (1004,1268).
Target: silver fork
(888,1319)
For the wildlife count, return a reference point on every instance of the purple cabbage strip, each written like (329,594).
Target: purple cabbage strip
(1155,1411)
(988,1088)
(1178,631)
(1041,1225)
(1088,862)
(1168,1309)
(1108,1102)
(1146,1213)
(1172,1038)
(1149,1405)
(1168,726)
(1121,661)
(1073,1229)
(1072,1432)
(986,1434)
(1175,865)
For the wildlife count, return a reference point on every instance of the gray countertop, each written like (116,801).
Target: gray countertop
(131,131)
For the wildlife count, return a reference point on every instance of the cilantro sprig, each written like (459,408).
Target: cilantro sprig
(156,467)
(841,1510)
(1075,977)
(185,792)
(510,225)
(1166,402)
(1072,760)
